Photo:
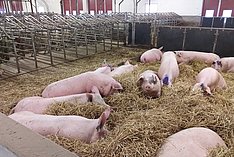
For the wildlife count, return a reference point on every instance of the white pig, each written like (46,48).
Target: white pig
(150,84)
(225,64)
(209,79)
(75,127)
(188,56)
(84,83)
(39,105)
(192,142)
(126,68)
(151,55)
(168,70)
(104,70)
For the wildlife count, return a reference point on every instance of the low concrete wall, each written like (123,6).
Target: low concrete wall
(24,143)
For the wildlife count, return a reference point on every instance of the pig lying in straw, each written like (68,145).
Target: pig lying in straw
(225,64)
(151,55)
(150,84)
(39,105)
(126,68)
(192,142)
(208,80)
(84,83)
(168,70)
(188,56)
(77,127)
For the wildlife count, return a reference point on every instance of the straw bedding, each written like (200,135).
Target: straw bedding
(138,126)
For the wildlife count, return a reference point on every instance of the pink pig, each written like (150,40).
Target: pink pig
(151,55)
(39,105)
(168,70)
(126,68)
(192,142)
(77,127)
(188,56)
(209,79)
(149,82)
(225,64)
(84,83)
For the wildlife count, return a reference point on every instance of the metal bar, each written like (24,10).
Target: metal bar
(70,6)
(77,7)
(96,8)
(31,6)
(36,6)
(120,4)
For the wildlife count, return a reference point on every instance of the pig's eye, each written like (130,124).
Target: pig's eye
(213,63)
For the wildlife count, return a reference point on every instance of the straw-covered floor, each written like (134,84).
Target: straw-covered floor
(138,126)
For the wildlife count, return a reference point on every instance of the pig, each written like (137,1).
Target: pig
(83,83)
(126,68)
(39,105)
(169,69)
(225,64)
(188,56)
(150,84)
(191,142)
(151,55)
(104,70)
(74,127)
(208,80)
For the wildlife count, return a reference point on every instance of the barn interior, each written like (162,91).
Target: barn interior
(45,41)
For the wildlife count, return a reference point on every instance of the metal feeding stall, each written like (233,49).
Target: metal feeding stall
(142,27)
(32,41)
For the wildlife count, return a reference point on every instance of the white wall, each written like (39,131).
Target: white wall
(46,5)
(181,7)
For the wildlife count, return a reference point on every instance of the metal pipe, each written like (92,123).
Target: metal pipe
(96,8)
(36,6)
(135,10)
(31,6)
(218,10)
(6,6)
(104,8)
(77,7)
(70,8)
(62,6)
(120,4)
(115,6)
(149,5)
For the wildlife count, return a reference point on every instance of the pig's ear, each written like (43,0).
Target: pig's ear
(117,87)
(179,54)
(127,62)
(140,80)
(160,48)
(102,119)
(219,63)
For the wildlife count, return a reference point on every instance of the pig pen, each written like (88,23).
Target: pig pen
(138,126)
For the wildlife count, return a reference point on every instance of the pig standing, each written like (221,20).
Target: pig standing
(168,70)
(77,127)
(192,142)
(151,55)
(225,64)
(209,79)
(150,84)
(126,68)
(84,83)
(39,105)
(188,56)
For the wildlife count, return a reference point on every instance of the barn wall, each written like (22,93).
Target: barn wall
(181,7)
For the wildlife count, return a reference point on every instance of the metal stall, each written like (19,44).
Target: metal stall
(219,41)
(29,42)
